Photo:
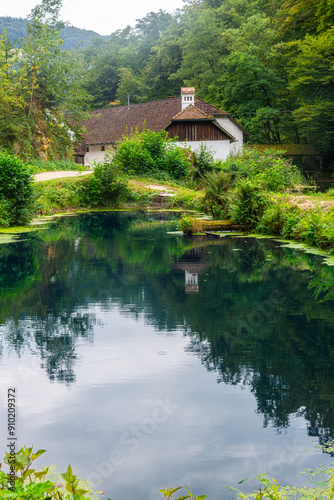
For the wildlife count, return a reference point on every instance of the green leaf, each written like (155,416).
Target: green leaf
(189,492)
(81,492)
(69,472)
(243,480)
(37,454)
(168,493)
(28,472)
(183,497)
(69,488)
(42,472)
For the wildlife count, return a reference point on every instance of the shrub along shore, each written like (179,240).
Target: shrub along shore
(261,192)
(22,481)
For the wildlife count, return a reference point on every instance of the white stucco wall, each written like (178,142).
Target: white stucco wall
(220,149)
(235,131)
(96,154)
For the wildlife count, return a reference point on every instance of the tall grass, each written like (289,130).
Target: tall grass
(37,165)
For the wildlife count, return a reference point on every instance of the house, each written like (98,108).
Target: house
(187,118)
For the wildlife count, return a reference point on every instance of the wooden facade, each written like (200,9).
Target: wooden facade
(79,155)
(194,130)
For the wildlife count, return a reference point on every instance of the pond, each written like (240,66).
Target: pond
(148,359)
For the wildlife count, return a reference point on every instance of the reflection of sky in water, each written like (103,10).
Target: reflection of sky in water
(144,414)
(105,385)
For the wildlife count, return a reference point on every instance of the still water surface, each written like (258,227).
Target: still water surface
(148,359)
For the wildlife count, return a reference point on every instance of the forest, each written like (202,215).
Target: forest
(267,62)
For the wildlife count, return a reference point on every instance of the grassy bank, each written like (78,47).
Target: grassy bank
(304,218)
(70,195)
(258,191)
(298,217)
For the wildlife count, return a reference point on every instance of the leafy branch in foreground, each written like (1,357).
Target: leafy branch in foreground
(24,482)
(168,494)
(270,489)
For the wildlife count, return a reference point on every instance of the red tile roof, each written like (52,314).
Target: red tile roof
(192,113)
(110,124)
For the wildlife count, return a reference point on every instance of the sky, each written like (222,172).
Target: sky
(102,16)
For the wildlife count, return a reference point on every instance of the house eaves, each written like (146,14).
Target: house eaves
(226,115)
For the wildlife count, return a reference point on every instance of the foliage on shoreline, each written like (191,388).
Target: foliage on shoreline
(232,186)
(270,489)
(250,189)
(150,153)
(16,191)
(37,165)
(22,482)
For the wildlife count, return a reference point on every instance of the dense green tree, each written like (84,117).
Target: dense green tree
(42,88)
(203,50)
(268,62)
(11,99)
(312,84)
(130,87)
(250,91)
(105,60)
(165,59)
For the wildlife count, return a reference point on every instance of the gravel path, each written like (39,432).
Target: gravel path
(46,176)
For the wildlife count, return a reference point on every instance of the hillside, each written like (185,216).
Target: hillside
(73,37)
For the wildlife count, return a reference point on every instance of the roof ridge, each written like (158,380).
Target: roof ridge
(191,109)
(220,111)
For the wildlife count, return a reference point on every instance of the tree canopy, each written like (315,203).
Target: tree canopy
(268,63)
(42,88)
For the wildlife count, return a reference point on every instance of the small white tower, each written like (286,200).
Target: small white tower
(187,96)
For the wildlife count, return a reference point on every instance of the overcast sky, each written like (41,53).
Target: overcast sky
(102,16)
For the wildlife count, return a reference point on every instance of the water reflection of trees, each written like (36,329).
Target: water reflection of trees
(262,317)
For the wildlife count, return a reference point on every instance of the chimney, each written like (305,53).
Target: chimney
(187,96)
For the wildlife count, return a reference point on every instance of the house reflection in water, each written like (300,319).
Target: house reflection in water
(192,264)
(191,282)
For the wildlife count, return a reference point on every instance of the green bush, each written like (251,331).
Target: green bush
(217,198)
(294,215)
(4,213)
(16,191)
(249,204)
(316,228)
(273,220)
(203,162)
(61,194)
(270,489)
(175,162)
(108,185)
(153,154)
(22,482)
(280,220)
(190,225)
(269,168)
